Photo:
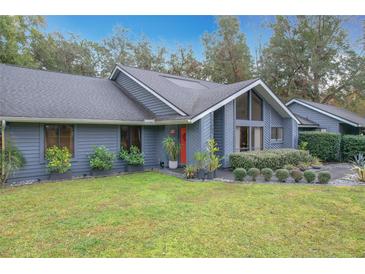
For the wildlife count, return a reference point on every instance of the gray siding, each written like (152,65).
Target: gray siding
(144,97)
(29,138)
(330,124)
(272,119)
(229,130)
(206,130)
(193,140)
(219,130)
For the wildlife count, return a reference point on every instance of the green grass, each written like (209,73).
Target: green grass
(154,215)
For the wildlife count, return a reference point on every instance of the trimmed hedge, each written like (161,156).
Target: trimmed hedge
(324,145)
(351,145)
(272,158)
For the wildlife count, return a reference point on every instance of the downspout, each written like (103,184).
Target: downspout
(3,124)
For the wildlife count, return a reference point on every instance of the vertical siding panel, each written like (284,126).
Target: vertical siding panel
(151,145)
(219,130)
(229,131)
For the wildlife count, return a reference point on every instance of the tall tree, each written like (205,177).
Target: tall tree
(184,63)
(227,56)
(309,57)
(145,57)
(16,34)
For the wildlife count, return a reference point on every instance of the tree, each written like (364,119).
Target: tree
(16,33)
(309,57)
(145,58)
(184,63)
(227,56)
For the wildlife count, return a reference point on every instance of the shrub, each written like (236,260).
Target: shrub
(239,174)
(297,175)
(213,158)
(267,173)
(12,161)
(101,159)
(190,171)
(58,159)
(282,175)
(351,145)
(253,172)
(289,167)
(272,158)
(324,145)
(324,177)
(309,176)
(133,157)
(201,159)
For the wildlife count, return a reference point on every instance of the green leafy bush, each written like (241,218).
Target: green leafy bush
(309,176)
(213,159)
(171,147)
(253,172)
(324,145)
(271,158)
(101,159)
(289,167)
(267,173)
(58,159)
(12,159)
(201,158)
(351,145)
(297,175)
(239,174)
(190,171)
(133,157)
(282,174)
(324,177)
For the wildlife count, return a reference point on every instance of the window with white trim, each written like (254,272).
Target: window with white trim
(276,133)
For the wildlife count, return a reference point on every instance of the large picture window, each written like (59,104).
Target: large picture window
(257,138)
(242,107)
(130,136)
(256,107)
(277,133)
(59,135)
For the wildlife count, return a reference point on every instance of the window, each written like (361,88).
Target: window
(277,133)
(256,107)
(242,107)
(257,138)
(59,135)
(242,139)
(323,130)
(130,136)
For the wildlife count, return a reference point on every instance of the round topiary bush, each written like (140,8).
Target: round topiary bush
(253,172)
(309,176)
(267,173)
(289,167)
(282,174)
(324,177)
(239,174)
(297,175)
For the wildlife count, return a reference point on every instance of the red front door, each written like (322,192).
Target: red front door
(183,145)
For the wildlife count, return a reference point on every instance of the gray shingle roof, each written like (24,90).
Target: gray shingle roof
(193,96)
(339,112)
(43,94)
(305,121)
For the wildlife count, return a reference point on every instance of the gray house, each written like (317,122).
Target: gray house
(323,117)
(39,109)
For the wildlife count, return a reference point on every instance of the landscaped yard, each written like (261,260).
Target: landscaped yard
(155,215)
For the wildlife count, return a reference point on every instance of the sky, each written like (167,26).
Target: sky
(171,31)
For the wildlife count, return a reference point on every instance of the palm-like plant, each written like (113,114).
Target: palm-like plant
(171,147)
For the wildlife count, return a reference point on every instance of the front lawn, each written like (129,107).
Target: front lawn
(155,215)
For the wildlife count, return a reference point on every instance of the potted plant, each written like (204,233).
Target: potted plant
(201,163)
(101,161)
(133,157)
(59,163)
(213,159)
(172,149)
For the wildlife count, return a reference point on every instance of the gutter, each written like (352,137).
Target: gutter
(146,122)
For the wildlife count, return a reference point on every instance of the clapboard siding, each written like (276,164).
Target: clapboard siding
(219,130)
(229,130)
(325,122)
(193,140)
(150,145)
(143,96)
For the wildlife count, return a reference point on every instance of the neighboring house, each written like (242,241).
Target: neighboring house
(41,108)
(322,117)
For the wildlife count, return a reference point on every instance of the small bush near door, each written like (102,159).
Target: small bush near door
(324,145)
